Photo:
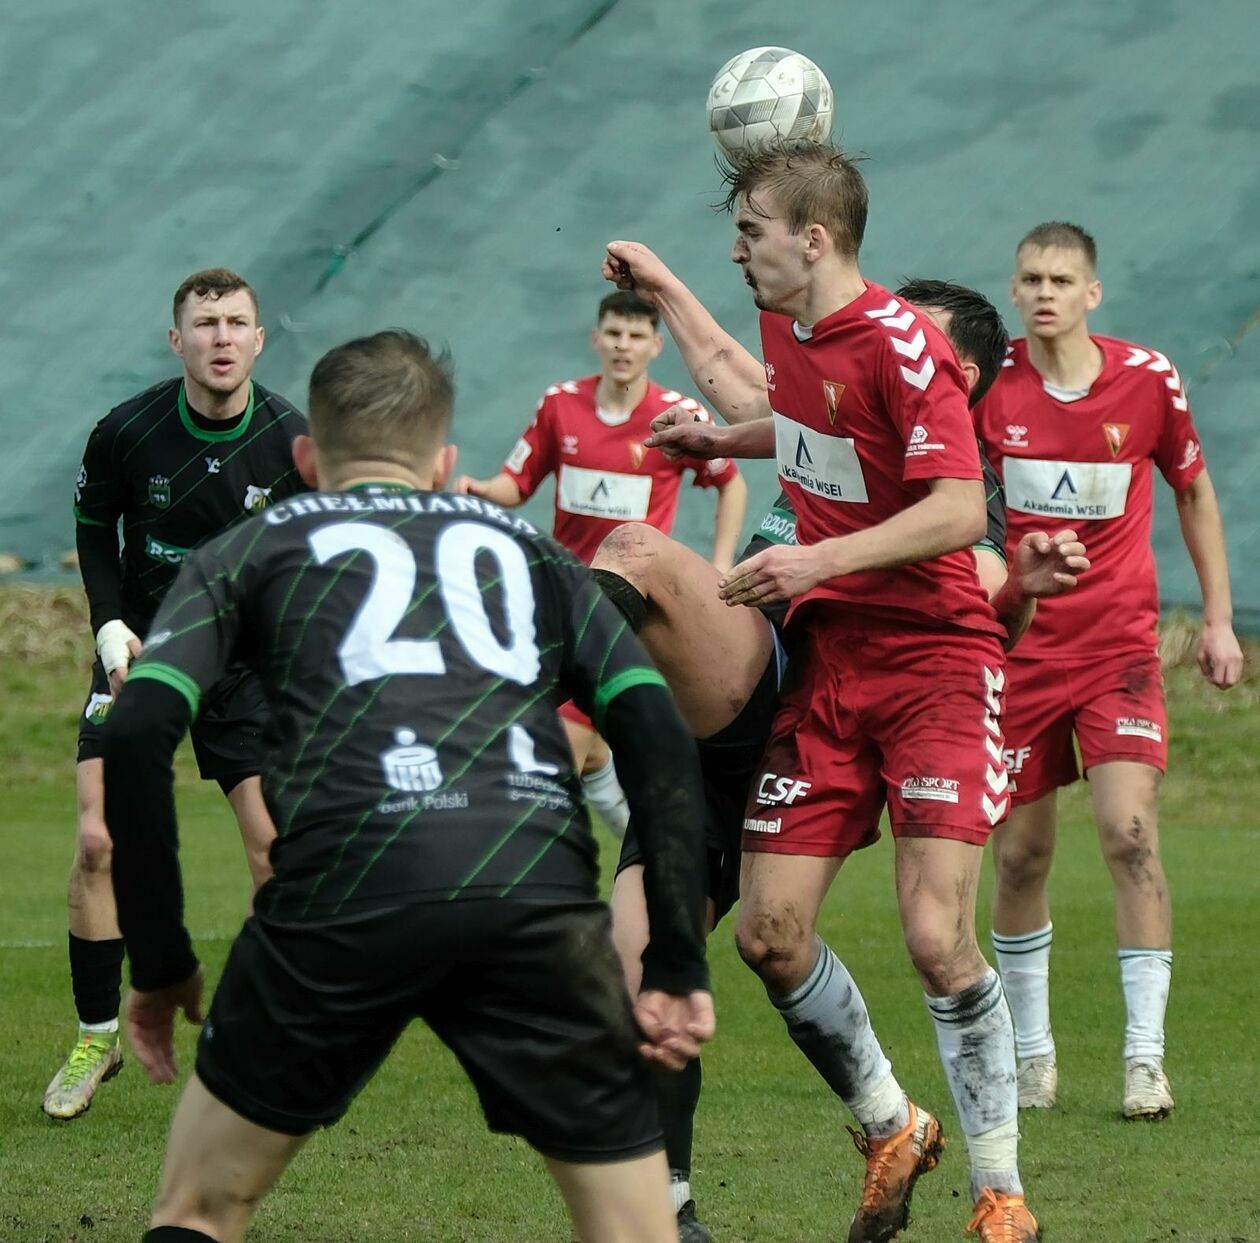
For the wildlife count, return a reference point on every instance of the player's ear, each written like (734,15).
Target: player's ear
(304,459)
(444,467)
(817,242)
(177,343)
(595,338)
(658,344)
(971,373)
(260,335)
(1093,295)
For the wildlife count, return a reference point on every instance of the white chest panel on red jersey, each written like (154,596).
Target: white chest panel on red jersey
(825,466)
(1094,491)
(603,493)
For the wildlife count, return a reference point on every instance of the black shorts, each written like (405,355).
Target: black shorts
(227,735)
(529,996)
(729,760)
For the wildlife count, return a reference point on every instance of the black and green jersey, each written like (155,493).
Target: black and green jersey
(174,479)
(413,648)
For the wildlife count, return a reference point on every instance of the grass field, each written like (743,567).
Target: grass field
(413,1161)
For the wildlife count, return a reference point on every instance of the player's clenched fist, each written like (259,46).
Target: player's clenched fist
(678,432)
(634,268)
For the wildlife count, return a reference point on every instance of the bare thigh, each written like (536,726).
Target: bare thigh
(711,655)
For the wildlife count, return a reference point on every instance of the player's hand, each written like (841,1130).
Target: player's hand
(466,485)
(772,576)
(151,1023)
(674,1027)
(686,433)
(118,676)
(1047,565)
(1219,655)
(634,268)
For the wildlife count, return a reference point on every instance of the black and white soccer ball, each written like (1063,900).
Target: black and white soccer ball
(766,93)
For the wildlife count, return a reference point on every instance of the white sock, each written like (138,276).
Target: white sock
(1024,963)
(111,1026)
(604,793)
(680,1189)
(977,1047)
(1146,976)
(826,1017)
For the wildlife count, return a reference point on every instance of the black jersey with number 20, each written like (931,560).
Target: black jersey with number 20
(413,648)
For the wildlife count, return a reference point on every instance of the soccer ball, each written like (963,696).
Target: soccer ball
(768,92)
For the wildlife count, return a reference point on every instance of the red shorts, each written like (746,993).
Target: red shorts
(569,711)
(881,714)
(1114,706)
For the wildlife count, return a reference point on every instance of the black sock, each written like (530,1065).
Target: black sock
(176,1234)
(625,595)
(96,977)
(678,1092)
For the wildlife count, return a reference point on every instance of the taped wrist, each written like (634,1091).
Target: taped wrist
(111,644)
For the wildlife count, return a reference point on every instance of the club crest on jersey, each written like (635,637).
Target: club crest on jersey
(638,451)
(833,390)
(256,499)
(159,491)
(1116,434)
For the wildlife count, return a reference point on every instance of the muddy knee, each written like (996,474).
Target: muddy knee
(779,946)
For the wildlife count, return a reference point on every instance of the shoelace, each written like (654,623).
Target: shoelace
(83,1059)
(882,1156)
(987,1205)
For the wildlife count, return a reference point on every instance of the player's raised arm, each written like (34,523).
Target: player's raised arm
(729,377)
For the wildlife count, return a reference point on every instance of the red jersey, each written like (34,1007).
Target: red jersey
(1087,464)
(605,475)
(869,405)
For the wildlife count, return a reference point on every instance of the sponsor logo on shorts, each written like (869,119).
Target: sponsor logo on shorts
(1014,758)
(97,709)
(773,790)
(1139,727)
(933,789)
(763,826)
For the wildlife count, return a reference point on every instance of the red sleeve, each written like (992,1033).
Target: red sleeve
(712,473)
(926,397)
(533,457)
(1179,455)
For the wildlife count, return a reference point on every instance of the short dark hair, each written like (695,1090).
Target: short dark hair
(1064,235)
(812,182)
(211,283)
(384,398)
(629,306)
(975,327)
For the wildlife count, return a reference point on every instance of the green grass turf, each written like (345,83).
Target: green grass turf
(412,1159)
